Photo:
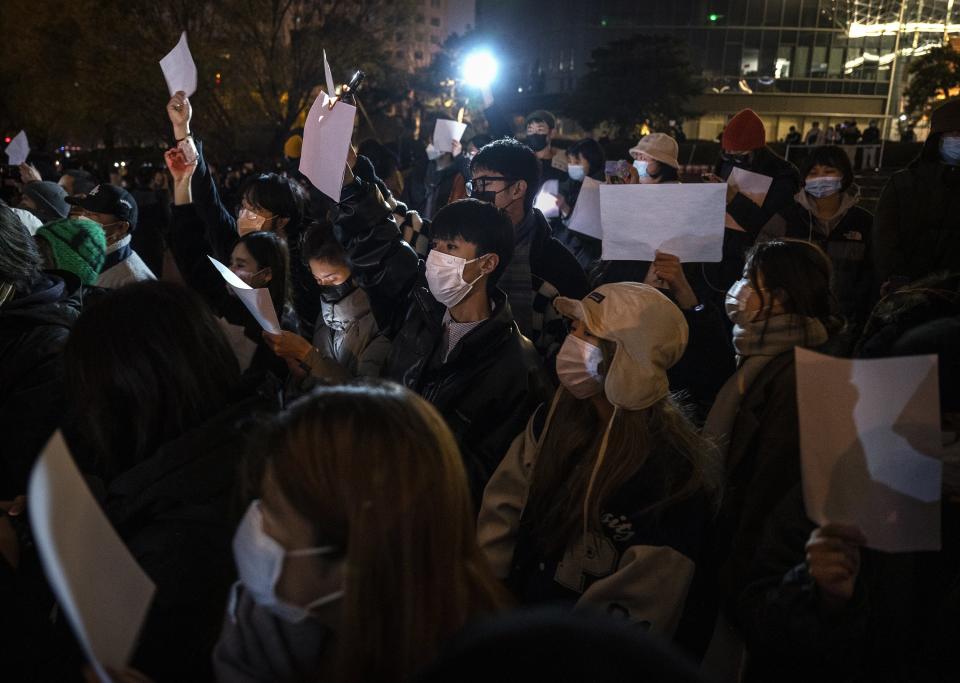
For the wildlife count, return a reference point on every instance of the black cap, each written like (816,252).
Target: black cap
(110,199)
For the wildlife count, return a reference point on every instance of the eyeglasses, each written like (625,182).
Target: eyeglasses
(480,184)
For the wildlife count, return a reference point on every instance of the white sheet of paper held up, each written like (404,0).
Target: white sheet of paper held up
(179,69)
(257,301)
(546,199)
(326,144)
(870,447)
(328,75)
(585,218)
(18,150)
(683,220)
(445,132)
(752,185)
(98,583)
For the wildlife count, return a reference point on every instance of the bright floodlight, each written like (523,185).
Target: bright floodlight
(479,69)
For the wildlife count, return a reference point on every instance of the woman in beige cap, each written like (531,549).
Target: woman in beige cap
(655,160)
(606,499)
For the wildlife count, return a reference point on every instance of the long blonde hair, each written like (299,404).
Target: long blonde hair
(376,470)
(567,457)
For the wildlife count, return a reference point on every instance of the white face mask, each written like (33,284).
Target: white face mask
(576,171)
(578,367)
(445,278)
(737,300)
(259,564)
(823,186)
(641,167)
(432,152)
(248,221)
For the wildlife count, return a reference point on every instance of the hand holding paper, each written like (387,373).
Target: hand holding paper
(99,585)
(870,443)
(257,301)
(18,150)
(445,132)
(179,69)
(326,144)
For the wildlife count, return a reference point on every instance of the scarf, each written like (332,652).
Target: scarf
(757,344)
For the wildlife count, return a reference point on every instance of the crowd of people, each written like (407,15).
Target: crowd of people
(474,450)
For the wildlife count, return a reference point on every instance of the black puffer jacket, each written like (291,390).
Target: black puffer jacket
(33,330)
(492,381)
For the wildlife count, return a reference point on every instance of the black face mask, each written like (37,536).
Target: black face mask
(736,159)
(537,141)
(332,294)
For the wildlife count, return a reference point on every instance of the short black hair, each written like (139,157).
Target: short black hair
(320,243)
(832,156)
(666,174)
(514,160)
(590,149)
(19,256)
(541,116)
(480,224)
(280,196)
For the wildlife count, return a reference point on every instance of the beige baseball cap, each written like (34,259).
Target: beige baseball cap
(659,146)
(649,331)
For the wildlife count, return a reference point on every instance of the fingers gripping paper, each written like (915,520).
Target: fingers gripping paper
(99,585)
(445,132)
(257,301)
(684,220)
(179,69)
(326,143)
(870,447)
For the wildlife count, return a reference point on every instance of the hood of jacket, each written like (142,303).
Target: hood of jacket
(56,299)
(339,315)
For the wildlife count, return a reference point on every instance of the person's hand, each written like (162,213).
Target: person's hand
(669,270)
(457,148)
(565,209)
(29,174)
(711,178)
(833,560)
(288,345)
(631,175)
(177,164)
(180,113)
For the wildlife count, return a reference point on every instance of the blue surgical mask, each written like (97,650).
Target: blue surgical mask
(823,186)
(641,167)
(260,562)
(575,171)
(950,150)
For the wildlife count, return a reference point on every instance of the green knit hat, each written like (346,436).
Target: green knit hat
(79,246)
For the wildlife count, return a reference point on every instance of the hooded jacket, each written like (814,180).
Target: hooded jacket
(33,331)
(847,238)
(917,229)
(347,334)
(645,562)
(491,381)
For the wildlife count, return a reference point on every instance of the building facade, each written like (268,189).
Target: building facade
(793,61)
(412,46)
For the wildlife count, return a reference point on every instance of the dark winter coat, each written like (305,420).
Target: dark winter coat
(917,229)
(491,382)
(33,331)
(902,624)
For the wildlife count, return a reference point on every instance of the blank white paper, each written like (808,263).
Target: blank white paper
(326,144)
(257,301)
(18,150)
(683,220)
(870,447)
(445,132)
(585,218)
(179,69)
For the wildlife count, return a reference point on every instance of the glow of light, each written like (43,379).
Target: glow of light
(886,59)
(858,30)
(479,69)
(66,154)
(903,117)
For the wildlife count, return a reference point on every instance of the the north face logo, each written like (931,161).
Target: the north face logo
(126,203)
(93,192)
(596,296)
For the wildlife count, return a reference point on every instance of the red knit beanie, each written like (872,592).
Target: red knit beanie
(744,133)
